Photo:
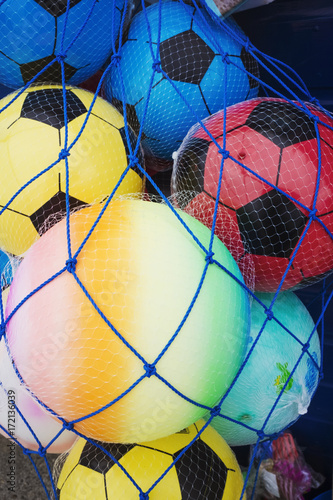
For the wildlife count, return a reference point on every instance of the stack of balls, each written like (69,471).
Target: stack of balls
(274,158)
(140,340)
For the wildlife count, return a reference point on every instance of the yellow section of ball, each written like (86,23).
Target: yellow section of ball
(87,485)
(33,134)
(71,461)
(145,466)
(208,468)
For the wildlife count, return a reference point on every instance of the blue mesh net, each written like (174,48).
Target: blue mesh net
(166,191)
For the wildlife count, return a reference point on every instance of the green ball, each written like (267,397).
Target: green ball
(266,375)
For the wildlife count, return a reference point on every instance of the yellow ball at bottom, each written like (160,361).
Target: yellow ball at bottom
(207,469)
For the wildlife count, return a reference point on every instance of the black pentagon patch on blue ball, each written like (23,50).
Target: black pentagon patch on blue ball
(186,57)
(96,459)
(47,106)
(56,7)
(131,116)
(55,205)
(201,473)
(252,68)
(190,173)
(271,225)
(51,75)
(282,123)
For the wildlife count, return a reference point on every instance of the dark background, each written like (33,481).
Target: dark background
(300,33)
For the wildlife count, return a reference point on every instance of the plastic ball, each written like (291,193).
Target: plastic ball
(35,146)
(207,469)
(20,414)
(188,61)
(36,33)
(277,377)
(8,265)
(131,363)
(277,186)
(32,426)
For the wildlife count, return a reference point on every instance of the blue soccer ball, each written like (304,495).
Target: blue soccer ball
(8,265)
(34,32)
(195,56)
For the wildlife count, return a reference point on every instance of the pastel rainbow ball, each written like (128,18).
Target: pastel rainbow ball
(92,361)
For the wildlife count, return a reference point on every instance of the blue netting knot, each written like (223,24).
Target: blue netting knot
(247,44)
(224,153)
(41,451)
(71,265)
(157,66)
(209,257)
(115,59)
(144,496)
(150,369)
(61,57)
(225,58)
(133,160)
(315,101)
(305,347)
(269,314)
(63,154)
(261,435)
(215,411)
(312,214)
(69,426)
(2,330)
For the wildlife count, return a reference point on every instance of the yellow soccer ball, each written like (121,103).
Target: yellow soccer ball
(34,131)
(163,469)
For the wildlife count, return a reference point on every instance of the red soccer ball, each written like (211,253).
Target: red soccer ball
(276,187)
